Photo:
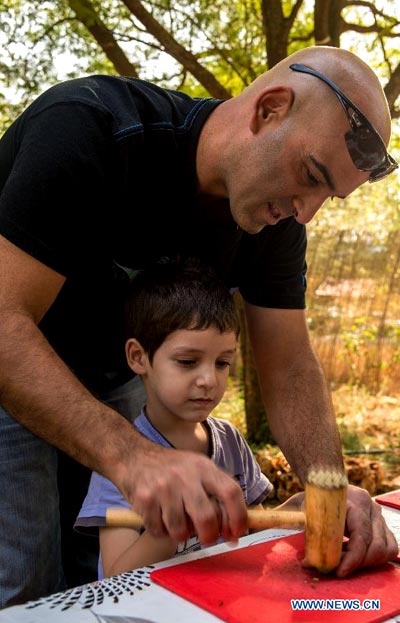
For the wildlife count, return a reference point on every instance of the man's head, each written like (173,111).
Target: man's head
(284,150)
(364,143)
(174,295)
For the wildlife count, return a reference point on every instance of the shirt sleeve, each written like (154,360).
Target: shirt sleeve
(272,266)
(233,454)
(101,494)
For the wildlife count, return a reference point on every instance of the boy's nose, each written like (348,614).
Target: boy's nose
(206,378)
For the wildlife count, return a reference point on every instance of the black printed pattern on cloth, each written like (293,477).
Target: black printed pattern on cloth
(96,593)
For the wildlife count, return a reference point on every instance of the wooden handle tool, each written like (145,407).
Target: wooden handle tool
(256,519)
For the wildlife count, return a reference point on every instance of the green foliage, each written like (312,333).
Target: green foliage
(229,40)
(262,437)
(372,209)
(377,23)
(351,440)
(232,406)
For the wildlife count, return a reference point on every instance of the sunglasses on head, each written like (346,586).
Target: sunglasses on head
(364,144)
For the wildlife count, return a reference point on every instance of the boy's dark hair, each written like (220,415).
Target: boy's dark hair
(172,295)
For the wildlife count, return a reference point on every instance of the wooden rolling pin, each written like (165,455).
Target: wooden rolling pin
(256,519)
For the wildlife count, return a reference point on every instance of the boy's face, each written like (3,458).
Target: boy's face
(188,374)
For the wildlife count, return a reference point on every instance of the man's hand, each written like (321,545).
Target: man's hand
(370,542)
(176,493)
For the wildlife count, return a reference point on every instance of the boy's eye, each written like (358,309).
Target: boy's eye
(223,364)
(186,362)
(312,180)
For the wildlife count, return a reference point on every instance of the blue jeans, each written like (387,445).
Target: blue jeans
(31,561)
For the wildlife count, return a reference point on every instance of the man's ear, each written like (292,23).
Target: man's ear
(135,356)
(272,101)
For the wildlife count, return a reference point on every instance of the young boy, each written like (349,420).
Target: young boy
(182,330)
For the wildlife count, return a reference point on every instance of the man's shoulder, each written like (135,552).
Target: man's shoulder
(109,94)
(125,99)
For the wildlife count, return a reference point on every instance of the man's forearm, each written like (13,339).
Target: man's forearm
(301,417)
(175,491)
(39,390)
(293,387)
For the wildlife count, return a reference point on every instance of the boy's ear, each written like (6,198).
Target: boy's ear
(135,356)
(272,102)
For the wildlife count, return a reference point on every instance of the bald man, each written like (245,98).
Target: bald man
(98,177)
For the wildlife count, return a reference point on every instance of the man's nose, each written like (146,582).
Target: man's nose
(305,208)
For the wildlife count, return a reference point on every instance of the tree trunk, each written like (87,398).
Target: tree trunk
(258,431)
(328,23)
(86,14)
(277,28)
(177,51)
(392,90)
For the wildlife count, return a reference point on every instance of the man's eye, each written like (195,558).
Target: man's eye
(312,180)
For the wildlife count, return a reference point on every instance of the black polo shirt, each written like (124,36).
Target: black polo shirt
(97,178)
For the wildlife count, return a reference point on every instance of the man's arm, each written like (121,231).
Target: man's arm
(169,488)
(293,388)
(302,421)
